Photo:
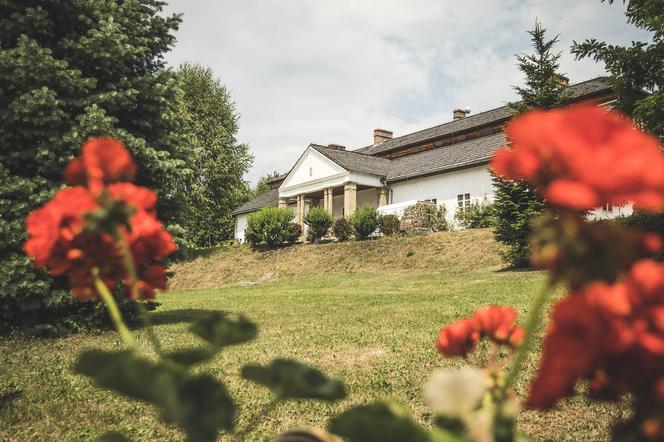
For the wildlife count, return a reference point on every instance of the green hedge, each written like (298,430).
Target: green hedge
(270,227)
(364,221)
(319,221)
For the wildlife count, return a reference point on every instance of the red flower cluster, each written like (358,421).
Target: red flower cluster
(494,322)
(612,335)
(583,157)
(78,230)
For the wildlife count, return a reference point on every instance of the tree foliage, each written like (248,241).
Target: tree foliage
(218,161)
(636,71)
(263,185)
(517,203)
(70,71)
(637,75)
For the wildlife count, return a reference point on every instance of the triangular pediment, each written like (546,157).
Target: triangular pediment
(312,166)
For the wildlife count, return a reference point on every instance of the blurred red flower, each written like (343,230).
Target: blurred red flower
(611,335)
(69,234)
(495,322)
(583,157)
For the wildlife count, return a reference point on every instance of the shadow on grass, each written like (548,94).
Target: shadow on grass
(9,395)
(180,316)
(517,270)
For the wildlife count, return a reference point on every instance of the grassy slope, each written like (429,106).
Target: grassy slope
(374,330)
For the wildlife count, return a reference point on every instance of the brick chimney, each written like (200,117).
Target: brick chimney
(561,79)
(336,146)
(381,135)
(460,113)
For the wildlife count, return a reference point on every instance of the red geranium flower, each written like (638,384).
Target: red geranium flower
(495,322)
(583,157)
(611,335)
(70,233)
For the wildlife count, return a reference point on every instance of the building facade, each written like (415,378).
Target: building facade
(445,164)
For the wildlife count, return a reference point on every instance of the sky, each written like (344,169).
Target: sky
(331,71)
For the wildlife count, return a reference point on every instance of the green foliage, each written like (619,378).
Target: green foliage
(219,330)
(650,222)
(270,226)
(389,224)
(263,185)
(478,215)
(425,216)
(294,233)
(217,160)
(198,403)
(70,71)
(517,203)
(290,379)
(637,68)
(342,229)
(319,221)
(378,422)
(364,221)
(516,207)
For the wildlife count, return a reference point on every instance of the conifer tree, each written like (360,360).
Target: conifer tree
(517,203)
(71,70)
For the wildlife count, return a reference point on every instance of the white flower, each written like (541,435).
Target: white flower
(455,392)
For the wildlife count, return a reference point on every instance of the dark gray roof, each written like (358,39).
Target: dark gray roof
(584,89)
(267,199)
(466,153)
(354,161)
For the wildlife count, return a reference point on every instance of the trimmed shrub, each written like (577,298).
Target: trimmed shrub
(270,226)
(364,221)
(342,229)
(319,221)
(478,215)
(294,234)
(389,224)
(425,216)
(651,222)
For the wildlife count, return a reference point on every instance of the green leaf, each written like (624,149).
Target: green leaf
(220,330)
(378,422)
(197,403)
(291,379)
(190,356)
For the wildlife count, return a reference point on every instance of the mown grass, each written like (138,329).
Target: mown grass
(375,331)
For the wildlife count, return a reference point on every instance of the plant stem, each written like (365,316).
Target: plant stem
(130,266)
(113,309)
(532,324)
(128,260)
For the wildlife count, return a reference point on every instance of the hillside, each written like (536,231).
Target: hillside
(433,253)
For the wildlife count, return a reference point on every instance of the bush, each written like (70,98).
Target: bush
(389,224)
(425,216)
(270,226)
(651,222)
(364,221)
(342,229)
(319,221)
(294,234)
(478,216)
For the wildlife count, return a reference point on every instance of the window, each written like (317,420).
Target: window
(311,171)
(432,200)
(463,200)
(608,207)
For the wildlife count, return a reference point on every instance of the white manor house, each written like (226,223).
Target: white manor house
(445,164)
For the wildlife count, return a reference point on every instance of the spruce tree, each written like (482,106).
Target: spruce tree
(517,203)
(70,70)
(219,162)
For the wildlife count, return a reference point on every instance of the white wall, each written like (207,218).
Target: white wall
(445,188)
(240,226)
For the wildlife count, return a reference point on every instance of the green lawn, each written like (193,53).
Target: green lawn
(374,331)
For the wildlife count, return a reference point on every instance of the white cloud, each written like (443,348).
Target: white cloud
(331,71)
